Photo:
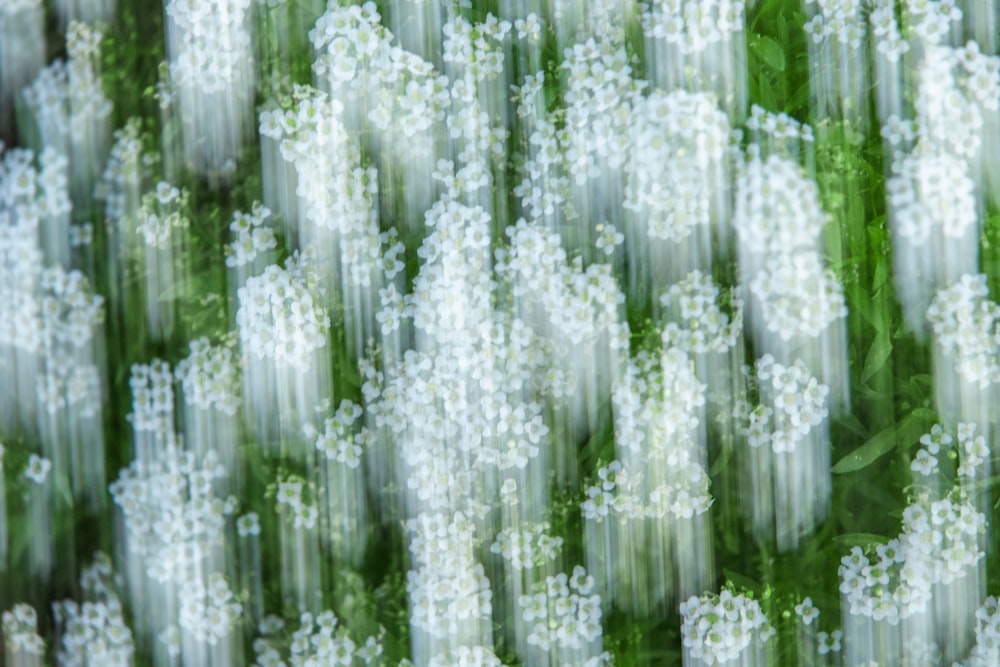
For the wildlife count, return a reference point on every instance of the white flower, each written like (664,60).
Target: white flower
(37,469)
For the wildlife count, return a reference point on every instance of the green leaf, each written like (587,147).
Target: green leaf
(769,50)
(878,355)
(881,443)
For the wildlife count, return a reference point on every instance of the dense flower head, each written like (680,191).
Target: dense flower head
(678,160)
(965,324)
(527,548)
(94,631)
(797,296)
(210,610)
(279,317)
(319,640)
(172,515)
(698,325)
(692,25)
(339,440)
(564,613)
(793,404)
(252,236)
(208,376)
(718,628)
(777,207)
(20,631)
(930,193)
(939,544)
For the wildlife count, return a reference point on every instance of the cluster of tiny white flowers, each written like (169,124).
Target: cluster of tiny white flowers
(794,403)
(448,590)
(971,448)
(72,113)
(290,498)
(679,158)
(213,76)
(779,127)
(208,612)
(152,397)
(964,322)
(565,613)
(778,209)
(20,631)
(698,325)
(885,29)
(127,167)
(208,376)
(338,441)
(692,25)
(161,214)
(841,20)
(928,192)
(939,544)
(527,548)
(986,651)
(955,88)
(465,656)
(319,640)
(279,317)
(929,21)
(94,632)
(252,236)
(718,628)
(172,516)
(797,296)
(575,304)
(597,111)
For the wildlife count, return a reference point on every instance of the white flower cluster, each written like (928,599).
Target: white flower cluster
(290,495)
(971,448)
(527,548)
(464,656)
(20,632)
(678,161)
(279,318)
(986,651)
(338,441)
(161,214)
(94,632)
(697,325)
(597,111)
(122,181)
(723,628)
(778,210)
(931,192)
(840,20)
(252,236)
(152,388)
(797,296)
(173,519)
(940,543)
(209,377)
(929,21)
(213,74)
(565,613)
(573,304)
(208,612)
(317,641)
(793,404)
(449,592)
(71,111)
(965,325)
(692,25)
(358,65)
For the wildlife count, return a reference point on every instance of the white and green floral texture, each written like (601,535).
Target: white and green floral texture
(499,332)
